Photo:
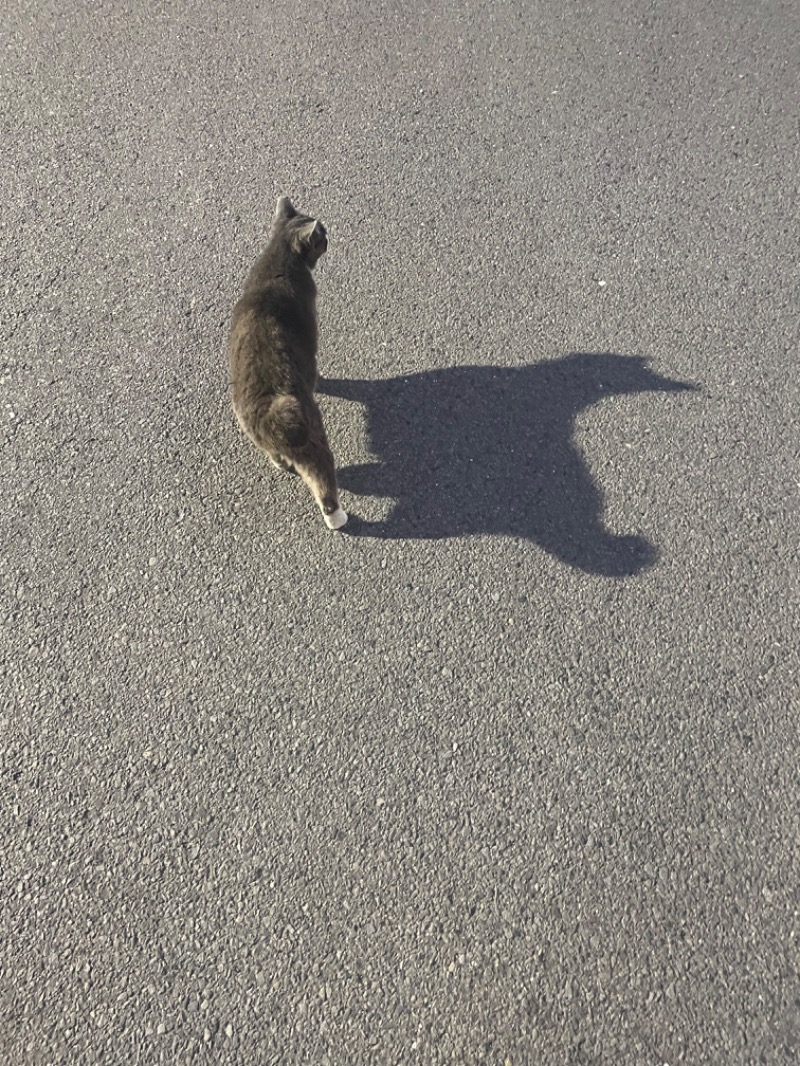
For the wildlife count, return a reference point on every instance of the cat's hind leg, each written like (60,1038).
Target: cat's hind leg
(280,463)
(293,436)
(314,463)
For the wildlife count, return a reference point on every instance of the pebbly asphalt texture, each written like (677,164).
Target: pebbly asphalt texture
(507,772)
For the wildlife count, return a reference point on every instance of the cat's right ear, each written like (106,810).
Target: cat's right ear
(284,208)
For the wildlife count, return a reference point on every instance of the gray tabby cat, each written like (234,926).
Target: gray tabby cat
(273,357)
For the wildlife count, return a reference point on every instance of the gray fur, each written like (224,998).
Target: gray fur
(273,356)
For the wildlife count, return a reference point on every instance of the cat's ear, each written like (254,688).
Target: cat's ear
(313,232)
(312,241)
(284,208)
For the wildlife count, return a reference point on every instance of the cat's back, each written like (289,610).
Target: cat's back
(273,335)
(279,309)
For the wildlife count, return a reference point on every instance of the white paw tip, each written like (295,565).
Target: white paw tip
(336,520)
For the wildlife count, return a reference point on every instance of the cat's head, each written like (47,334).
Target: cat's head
(306,236)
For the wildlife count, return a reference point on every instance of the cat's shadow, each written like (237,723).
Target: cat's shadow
(481,449)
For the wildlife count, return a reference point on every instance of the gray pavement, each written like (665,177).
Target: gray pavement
(508,773)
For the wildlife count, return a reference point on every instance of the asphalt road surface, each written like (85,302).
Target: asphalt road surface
(508,773)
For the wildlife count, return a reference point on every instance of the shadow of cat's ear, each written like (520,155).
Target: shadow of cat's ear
(284,208)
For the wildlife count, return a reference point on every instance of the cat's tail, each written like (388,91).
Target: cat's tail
(285,423)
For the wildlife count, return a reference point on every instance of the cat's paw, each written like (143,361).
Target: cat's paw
(336,520)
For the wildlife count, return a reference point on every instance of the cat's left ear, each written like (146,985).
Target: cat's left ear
(284,208)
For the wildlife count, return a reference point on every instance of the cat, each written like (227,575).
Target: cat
(273,357)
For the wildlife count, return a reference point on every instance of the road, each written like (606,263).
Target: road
(508,772)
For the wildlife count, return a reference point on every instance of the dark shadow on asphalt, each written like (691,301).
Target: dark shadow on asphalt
(480,449)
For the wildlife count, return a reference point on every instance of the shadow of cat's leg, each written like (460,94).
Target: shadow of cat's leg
(348,390)
(360,527)
(363,479)
(603,553)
